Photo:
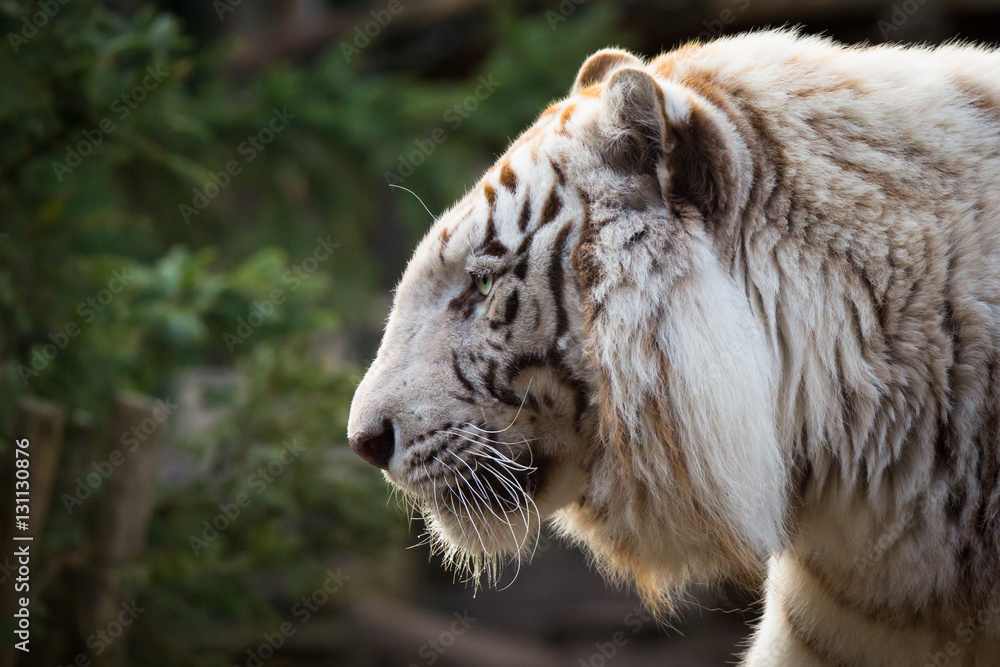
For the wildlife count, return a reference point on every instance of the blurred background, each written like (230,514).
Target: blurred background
(197,246)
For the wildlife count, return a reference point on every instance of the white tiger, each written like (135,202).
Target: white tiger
(735,307)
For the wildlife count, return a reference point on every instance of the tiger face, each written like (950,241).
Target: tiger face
(524,368)
(478,402)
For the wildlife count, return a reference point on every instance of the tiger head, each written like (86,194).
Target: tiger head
(568,342)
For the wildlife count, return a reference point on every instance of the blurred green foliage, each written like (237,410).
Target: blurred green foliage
(131,249)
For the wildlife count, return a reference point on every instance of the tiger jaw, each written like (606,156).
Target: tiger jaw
(480,498)
(482,495)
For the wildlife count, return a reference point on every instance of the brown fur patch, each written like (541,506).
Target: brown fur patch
(701,165)
(491,200)
(553,204)
(445,236)
(585,263)
(980,98)
(491,194)
(508,179)
(658,414)
(597,67)
(564,117)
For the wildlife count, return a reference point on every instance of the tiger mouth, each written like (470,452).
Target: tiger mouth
(474,487)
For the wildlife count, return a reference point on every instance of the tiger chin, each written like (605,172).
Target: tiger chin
(732,310)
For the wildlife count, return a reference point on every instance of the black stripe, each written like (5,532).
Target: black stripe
(504,394)
(943,450)
(466,302)
(989,466)
(559,172)
(456,367)
(509,312)
(523,251)
(491,199)
(525,217)
(556,280)
(490,379)
(511,307)
(521,268)
(553,204)
(524,361)
(566,377)
(553,360)
(494,248)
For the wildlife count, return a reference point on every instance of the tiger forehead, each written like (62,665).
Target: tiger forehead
(565,118)
(514,201)
(522,190)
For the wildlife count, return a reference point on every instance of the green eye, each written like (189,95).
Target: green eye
(484,283)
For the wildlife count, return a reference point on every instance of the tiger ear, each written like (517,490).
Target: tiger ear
(659,130)
(633,122)
(600,65)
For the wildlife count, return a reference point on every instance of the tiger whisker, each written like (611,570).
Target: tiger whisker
(488,491)
(506,477)
(512,488)
(506,460)
(516,493)
(527,392)
(485,439)
(393,185)
(483,496)
(465,502)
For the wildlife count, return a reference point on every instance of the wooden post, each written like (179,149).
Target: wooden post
(43,424)
(123,517)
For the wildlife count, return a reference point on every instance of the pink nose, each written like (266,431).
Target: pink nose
(375,447)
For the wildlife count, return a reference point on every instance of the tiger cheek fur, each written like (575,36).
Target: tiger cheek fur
(732,309)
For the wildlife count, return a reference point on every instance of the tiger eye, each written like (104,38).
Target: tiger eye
(484,283)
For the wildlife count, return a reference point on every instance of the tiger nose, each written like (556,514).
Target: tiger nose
(375,447)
